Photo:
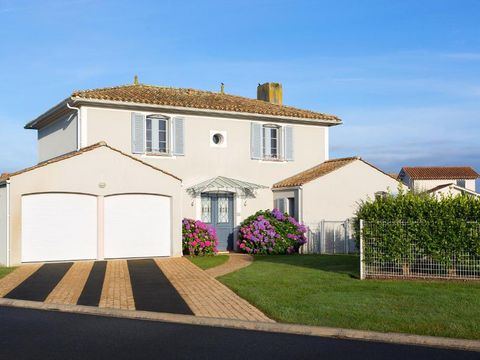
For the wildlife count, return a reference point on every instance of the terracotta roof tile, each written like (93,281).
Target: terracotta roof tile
(7,176)
(440,172)
(315,172)
(198,99)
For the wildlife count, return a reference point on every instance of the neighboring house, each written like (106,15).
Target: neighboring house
(89,200)
(451,190)
(425,178)
(332,189)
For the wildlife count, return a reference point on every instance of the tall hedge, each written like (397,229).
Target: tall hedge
(442,228)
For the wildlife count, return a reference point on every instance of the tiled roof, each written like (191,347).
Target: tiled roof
(440,172)
(7,176)
(315,172)
(198,99)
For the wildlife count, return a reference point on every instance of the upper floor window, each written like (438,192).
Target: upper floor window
(271,142)
(461,183)
(156,134)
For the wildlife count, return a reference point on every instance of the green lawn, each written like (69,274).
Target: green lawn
(5,271)
(207,262)
(325,290)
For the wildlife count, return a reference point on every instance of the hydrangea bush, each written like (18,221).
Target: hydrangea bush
(198,238)
(271,232)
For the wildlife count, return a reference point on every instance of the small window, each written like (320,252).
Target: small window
(461,183)
(156,134)
(271,142)
(379,195)
(291,207)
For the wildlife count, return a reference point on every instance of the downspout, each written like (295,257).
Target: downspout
(7,182)
(79,129)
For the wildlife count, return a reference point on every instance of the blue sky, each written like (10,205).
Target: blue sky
(403,75)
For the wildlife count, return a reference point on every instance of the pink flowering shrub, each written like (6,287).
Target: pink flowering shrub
(198,238)
(271,232)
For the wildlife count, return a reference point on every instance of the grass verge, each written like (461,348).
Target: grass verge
(325,290)
(4,271)
(207,262)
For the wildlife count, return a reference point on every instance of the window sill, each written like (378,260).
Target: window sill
(158,155)
(273,160)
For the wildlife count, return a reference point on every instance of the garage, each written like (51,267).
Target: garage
(136,225)
(94,203)
(59,226)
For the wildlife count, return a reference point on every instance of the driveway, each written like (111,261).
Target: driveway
(171,285)
(33,334)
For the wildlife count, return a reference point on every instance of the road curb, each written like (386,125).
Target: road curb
(394,338)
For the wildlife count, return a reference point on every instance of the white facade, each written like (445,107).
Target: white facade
(336,195)
(62,210)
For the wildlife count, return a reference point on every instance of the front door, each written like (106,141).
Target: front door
(217,210)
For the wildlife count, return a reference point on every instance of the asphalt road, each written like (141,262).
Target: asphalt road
(36,334)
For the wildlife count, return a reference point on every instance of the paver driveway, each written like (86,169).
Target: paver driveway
(173,285)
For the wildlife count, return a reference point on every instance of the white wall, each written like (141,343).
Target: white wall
(86,173)
(336,195)
(58,138)
(424,185)
(202,161)
(3,224)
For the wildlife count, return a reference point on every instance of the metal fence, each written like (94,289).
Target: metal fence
(330,237)
(404,253)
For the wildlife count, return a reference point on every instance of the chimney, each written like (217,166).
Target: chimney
(270,92)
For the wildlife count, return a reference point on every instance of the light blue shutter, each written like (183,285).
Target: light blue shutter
(288,143)
(256,141)
(282,205)
(138,133)
(178,125)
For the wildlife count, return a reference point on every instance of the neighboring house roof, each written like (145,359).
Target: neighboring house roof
(454,186)
(440,172)
(7,176)
(318,171)
(393,175)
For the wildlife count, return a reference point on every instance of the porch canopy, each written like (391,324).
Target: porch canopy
(224,184)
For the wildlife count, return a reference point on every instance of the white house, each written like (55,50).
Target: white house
(331,190)
(121,166)
(440,179)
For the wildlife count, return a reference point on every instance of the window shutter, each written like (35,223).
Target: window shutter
(178,125)
(281,205)
(276,203)
(288,130)
(138,133)
(256,141)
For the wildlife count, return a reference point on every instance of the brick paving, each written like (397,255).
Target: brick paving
(117,289)
(235,262)
(205,295)
(69,289)
(16,277)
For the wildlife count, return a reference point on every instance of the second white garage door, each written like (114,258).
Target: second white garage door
(136,225)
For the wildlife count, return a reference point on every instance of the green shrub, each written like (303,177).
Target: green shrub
(439,228)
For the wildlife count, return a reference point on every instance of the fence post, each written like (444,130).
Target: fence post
(362,265)
(345,224)
(322,238)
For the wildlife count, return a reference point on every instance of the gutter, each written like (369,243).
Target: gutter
(224,113)
(7,182)
(79,124)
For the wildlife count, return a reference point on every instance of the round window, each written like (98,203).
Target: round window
(217,139)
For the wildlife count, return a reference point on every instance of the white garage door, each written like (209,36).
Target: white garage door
(59,227)
(136,225)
